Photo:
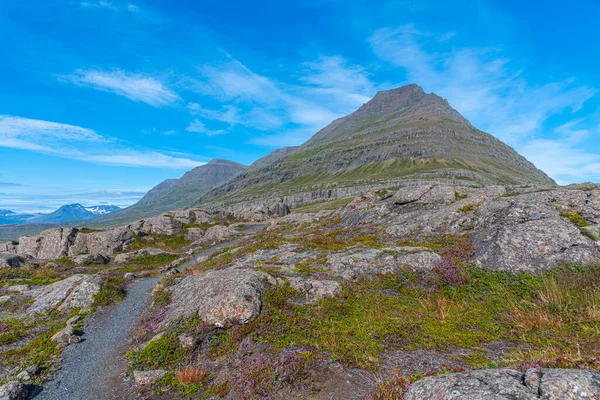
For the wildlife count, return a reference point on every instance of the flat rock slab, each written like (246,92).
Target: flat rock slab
(72,292)
(500,384)
(219,297)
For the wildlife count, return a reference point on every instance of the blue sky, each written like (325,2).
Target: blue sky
(102,100)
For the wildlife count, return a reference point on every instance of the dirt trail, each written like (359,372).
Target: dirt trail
(93,369)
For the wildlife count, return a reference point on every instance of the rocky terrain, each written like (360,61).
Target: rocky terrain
(470,280)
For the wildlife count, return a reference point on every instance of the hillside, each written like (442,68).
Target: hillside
(401,134)
(175,194)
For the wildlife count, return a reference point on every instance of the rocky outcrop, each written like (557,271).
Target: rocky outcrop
(9,260)
(313,289)
(354,264)
(220,232)
(259,211)
(73,292)
(163,225)
(106,242)
(220,297)
(547,384)
(50,244)
(144,378)
(15,390)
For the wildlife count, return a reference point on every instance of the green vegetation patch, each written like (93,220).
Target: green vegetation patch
(112,290)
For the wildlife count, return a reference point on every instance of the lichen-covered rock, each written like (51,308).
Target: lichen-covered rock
(86,259)
(72,292)
(14,390)
(8,247)
(564,383)
(500,384)
(439,195)
(163,225)
(591,231)
(410,259)
(410,194)
(106,242)
(184,216)
(260,211)
(220,232)
(11,260)
(526,233)
(219,297)
(314,289)
(48,245)
(193,234)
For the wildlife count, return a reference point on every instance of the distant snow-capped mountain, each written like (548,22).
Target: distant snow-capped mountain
(66,213)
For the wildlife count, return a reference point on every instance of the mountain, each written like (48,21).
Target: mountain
(400,134)
(72,212)
(66,213)
(175,194)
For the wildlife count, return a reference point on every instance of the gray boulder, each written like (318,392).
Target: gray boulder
(8,247)
(314,289)
(50,244)
(75,291)
(220,232)
(14,390)
(409,194)
(86,259)
(499,384)
(11,260)
(220,297)
(106,242)
(260,211)
(184,216)
(439,195)
(193,234)
(163,225)
(526,233)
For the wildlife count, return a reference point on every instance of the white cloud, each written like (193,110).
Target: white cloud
(75,142)
(136,87)
(198,126)
(132,8)
(100,4)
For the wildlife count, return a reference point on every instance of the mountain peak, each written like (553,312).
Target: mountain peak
(220,161)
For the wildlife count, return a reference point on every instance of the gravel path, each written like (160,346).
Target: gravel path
(93,369)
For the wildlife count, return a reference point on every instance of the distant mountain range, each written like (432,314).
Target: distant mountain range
(66,213)
(175,194)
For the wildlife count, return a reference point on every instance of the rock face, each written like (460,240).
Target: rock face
(528,230)
(220,232)
(106,242)
(548,384)
(163,226)
(219,297)
(72,292)
(14,391)
(8,260)
(50,244)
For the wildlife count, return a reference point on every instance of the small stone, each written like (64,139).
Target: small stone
(33,370)
(73,320)
(142,378)
(4,299)
(24,376)
(129,275)
(63,336)
(74,339)
(186,341)
(14,390)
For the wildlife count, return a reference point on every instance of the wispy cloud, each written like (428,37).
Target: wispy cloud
(136,87)
(327,89)
(197,126)
(480,83)
(75,142)
(100,4)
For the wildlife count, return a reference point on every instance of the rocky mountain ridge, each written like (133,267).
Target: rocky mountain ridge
(401,135)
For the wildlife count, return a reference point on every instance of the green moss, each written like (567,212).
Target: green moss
(468,207)
(162,353)
(112,290)
(574,217)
